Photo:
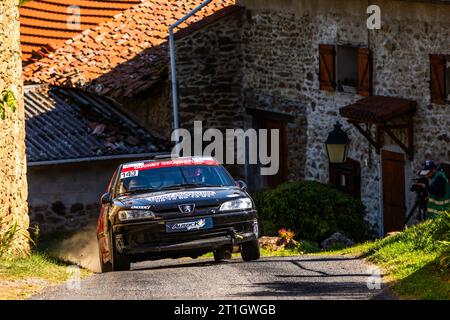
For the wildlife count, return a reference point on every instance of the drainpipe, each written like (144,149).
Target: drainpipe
(176,121)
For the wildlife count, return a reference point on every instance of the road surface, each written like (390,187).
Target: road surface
(305,277)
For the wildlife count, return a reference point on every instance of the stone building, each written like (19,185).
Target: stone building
(306,64)
(282,57)
(13,190)
(298,66)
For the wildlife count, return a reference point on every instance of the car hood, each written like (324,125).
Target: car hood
(165,200)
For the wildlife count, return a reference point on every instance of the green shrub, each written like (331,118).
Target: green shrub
(313,210)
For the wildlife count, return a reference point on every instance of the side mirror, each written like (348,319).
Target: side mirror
(241,184)
(106,198)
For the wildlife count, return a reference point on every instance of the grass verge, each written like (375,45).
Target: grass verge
(22,277)
(410,260)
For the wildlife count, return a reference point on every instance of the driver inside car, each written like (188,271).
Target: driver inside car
(194,175)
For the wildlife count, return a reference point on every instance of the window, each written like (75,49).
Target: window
(345,69)
(439,78)
(346,177)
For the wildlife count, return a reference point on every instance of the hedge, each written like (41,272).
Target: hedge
(313,210)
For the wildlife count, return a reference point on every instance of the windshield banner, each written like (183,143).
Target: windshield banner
(132,168)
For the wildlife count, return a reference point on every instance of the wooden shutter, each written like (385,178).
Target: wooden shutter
(327,72)
(364,72)
(437,80)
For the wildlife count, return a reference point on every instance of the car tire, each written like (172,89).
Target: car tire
(104,266)
(222,254)
(250,250)
(120,262)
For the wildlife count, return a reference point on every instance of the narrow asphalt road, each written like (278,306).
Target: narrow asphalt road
(306,277)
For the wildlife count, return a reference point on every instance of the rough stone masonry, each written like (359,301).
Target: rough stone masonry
(13,189)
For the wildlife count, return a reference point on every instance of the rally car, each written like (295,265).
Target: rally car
(171,208)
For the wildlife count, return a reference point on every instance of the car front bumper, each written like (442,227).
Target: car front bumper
(150,237)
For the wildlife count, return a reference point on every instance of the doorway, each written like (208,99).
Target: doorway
(394,200)
(261,119)
(276,124)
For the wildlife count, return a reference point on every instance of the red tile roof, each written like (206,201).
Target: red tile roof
(43,23)
(126,55)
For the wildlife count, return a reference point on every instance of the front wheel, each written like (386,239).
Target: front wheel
(250,250)
(104,266)
(120,262)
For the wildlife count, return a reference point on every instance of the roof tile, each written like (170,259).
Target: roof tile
(44,22)
(128,38)
(66,124)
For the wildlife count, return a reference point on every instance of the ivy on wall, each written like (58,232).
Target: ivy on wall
(7,100)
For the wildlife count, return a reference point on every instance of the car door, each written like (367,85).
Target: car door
(102,223)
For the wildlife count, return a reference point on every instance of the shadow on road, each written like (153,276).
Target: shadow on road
(305,289)
(205,263)
(334,284)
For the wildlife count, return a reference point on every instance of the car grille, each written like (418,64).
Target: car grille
(163,238)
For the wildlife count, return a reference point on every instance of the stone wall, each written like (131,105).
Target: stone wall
(208,68)
(67,196)
(152,111)
(213,86)
(13,190)
(209,78)
(271,82)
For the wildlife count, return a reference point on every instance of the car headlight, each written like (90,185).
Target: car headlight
(238,204)
(126,215)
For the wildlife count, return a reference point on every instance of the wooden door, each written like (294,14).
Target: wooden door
(394,208)
(281,176)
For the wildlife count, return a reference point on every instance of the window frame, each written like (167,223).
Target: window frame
(364,64)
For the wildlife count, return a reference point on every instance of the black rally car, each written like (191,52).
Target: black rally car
(170,208)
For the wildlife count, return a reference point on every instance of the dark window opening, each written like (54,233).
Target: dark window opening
(347,68)
(448,80)
(347,177)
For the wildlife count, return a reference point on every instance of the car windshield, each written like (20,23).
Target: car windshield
(176,177)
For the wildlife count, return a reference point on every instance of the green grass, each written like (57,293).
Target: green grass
(22,277)
(36,265)
(410,260)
